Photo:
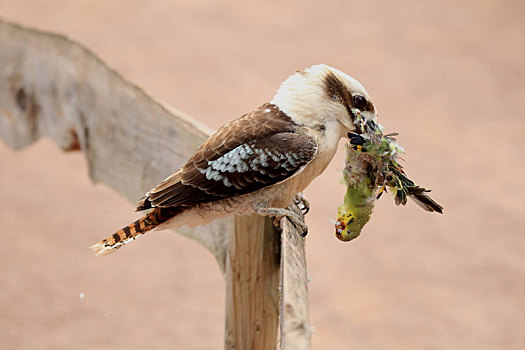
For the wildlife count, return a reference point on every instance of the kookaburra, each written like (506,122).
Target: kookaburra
(260,161)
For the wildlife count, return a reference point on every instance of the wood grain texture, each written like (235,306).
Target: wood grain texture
(252,284)
(295,320)
(53,87)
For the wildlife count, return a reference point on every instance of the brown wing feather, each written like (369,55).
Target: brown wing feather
(274,158)
(264,149)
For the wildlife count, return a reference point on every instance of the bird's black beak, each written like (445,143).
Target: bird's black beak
(356,140)
(353,135)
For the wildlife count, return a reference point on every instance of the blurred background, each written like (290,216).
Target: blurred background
(447,75)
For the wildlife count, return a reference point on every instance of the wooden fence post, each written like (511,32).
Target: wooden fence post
(252,284)
(295,322)
(53,87)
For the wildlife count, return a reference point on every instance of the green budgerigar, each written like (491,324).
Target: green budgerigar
(372,166)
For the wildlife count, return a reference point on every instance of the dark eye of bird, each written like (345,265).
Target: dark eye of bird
(359,102)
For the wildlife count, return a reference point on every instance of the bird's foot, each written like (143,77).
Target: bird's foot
(279,213)
(302,203)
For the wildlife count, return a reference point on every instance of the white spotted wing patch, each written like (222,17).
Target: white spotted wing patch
(251,158)
(235,161)
(257,150)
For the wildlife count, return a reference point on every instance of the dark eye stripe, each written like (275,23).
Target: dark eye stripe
(360,102)
(339,92)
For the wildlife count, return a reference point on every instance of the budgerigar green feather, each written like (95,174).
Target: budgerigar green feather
(371,166)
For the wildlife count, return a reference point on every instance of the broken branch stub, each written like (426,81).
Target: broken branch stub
(53,87)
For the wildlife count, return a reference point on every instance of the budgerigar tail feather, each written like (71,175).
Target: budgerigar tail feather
(419,196)
(134,230)
(404,187)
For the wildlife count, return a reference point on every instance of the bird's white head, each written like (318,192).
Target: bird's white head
(324,95)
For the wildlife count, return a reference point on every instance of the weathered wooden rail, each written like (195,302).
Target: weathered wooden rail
(53,87)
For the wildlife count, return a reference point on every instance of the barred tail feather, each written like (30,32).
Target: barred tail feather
(134,230)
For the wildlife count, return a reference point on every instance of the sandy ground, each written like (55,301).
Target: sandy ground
(447,76)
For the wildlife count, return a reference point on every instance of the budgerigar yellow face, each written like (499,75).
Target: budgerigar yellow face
(350,221)
(371,165)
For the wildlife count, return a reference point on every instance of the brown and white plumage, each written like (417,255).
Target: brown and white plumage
(256,150)
(258,162)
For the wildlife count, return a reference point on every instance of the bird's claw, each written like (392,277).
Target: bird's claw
(279,213)
(302,203)
(305,232)
(299,224)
